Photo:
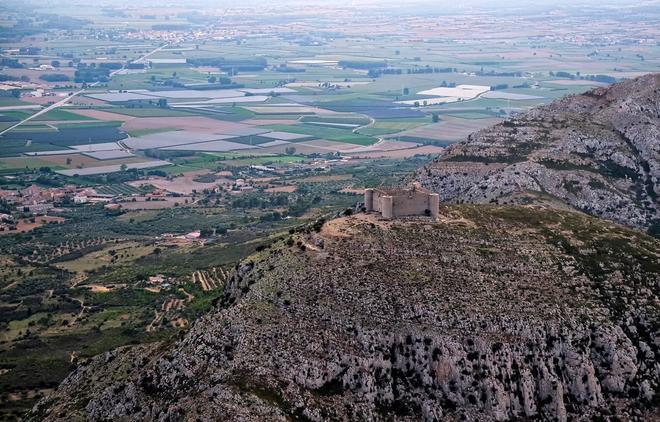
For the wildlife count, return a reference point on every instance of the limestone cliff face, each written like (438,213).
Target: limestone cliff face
(491,313)
(598,152)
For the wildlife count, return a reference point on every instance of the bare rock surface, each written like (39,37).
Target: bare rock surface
(490,313)
(598,152)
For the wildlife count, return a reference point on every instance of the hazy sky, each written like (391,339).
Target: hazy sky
(395,3)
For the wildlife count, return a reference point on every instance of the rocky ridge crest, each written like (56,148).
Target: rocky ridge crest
(598,152)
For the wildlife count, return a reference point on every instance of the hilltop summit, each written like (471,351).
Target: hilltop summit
(488,313)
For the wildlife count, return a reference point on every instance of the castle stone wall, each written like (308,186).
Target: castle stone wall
(402,202)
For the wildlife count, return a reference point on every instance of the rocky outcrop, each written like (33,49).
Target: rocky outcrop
(490,313)
(598,152)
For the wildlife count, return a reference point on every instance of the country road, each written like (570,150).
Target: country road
(141,59)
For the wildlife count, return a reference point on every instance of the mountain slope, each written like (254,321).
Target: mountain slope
(598,152)
(493,312)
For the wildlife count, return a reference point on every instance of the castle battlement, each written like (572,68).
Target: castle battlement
(401,202)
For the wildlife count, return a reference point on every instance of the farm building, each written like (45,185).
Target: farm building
(401,202)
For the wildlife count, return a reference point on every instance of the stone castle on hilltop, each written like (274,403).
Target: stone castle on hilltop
(401,202)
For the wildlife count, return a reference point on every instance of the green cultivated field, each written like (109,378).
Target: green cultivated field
(263,161)
(61,115)
(20,164)
(327,133)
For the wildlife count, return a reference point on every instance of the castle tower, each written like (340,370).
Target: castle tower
(386,203)
(434,205)
(369,199)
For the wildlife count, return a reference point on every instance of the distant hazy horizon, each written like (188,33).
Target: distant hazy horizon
(394,3)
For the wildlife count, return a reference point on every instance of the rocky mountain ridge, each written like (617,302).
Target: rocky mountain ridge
(598,152)
(490,313)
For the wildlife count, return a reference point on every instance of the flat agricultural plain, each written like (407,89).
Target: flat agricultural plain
(450,128)
(213,146)
(102,115)
(108,168)
(400,153)
(194,123)
(184,185)
(171,139)
(74,161)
